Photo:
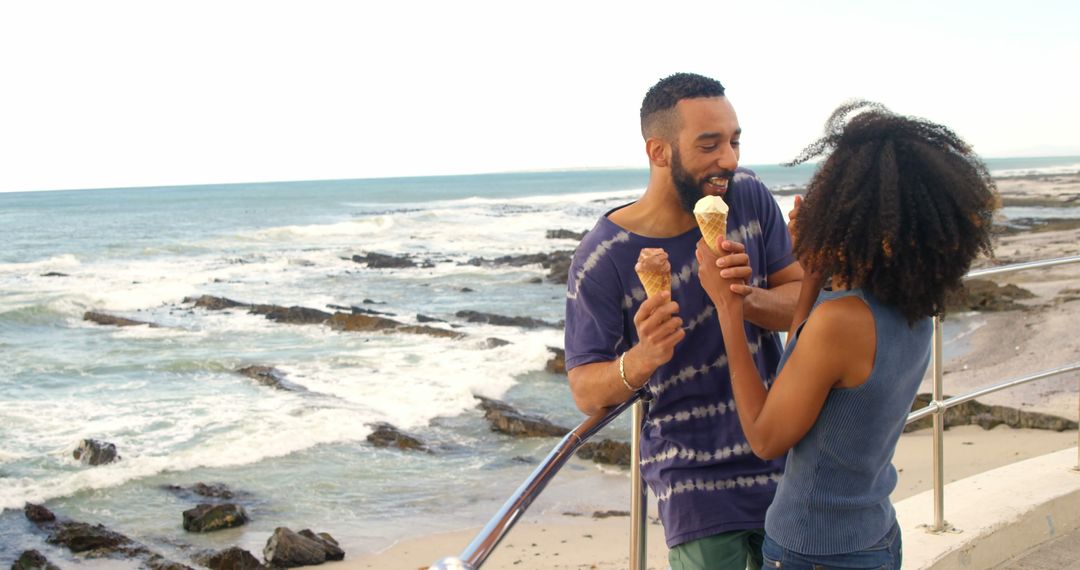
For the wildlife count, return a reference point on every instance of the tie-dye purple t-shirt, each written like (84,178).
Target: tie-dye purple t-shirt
(694,455)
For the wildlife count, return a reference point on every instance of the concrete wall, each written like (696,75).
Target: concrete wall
(995,516)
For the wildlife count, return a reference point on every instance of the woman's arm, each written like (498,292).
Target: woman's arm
(832,350)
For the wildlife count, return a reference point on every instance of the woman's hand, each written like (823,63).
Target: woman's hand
(724,278)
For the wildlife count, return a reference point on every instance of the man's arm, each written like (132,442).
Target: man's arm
(599,385)
(773,308)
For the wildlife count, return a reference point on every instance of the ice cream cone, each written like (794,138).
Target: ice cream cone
(711,214)
(654,270)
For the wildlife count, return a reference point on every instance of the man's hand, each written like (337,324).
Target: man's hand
(724,278)
(793,216)
(659,329)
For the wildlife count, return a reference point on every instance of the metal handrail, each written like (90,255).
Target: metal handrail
(485,542)
(938,406)
(935,407)
(487,539)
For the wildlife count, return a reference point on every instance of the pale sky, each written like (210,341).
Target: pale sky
(146,93)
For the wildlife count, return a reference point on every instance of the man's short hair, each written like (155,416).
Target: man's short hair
(658,117)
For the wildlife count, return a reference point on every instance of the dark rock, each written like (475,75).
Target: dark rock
(557,364)
(38,514)
(94,452)
(426,319)
(371,302)
(215,303)
(82,537)
(492,342)
(291,315)
(52,274)
(566,234)
(217,491)
(559,268)
(359,310)
(208,518)
(213,491)
(557,263)
(333,550)
(975,413)
(609,514)
(384,261)
(363,311)
(500,320)
(386,435)
(467,290)
(234,558)
(288,549)
(607,451)
(103,319)
(288,315)
(33,560)
(505,419)
(272,377)
(353,323)
(985,295)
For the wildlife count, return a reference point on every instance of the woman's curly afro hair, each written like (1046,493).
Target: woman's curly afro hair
(900,207)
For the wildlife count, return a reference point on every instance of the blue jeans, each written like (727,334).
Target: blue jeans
(885,555)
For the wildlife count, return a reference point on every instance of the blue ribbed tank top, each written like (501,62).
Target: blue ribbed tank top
(834,495)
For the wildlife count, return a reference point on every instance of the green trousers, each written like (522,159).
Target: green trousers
(737,550)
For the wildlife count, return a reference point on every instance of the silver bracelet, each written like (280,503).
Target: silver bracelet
(622,373)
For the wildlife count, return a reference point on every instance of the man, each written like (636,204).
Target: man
(712,490)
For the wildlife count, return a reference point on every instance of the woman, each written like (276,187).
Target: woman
(891,222)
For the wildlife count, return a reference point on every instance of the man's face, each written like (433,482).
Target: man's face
(705,154)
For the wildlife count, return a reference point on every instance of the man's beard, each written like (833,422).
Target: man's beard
(688,189)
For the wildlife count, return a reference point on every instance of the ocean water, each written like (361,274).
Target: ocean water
(170,397)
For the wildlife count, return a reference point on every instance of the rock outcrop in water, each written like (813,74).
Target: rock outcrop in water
(606,451)
(566,234)
(306,316)
(500,320)
(976,413)
(557,263)
(386,435)
(557,363)
(985,295)
(33,560)
(38,514)
(505,419)
(208,518)
(112,320)
(288,549)
(216,491)
(386,261)
(272,377)
(234,558)
(94,452)
(352,323)
(94,540)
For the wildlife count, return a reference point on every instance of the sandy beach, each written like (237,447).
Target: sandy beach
(560,530)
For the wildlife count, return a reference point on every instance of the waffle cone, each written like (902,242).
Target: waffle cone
(713,229)
(655,282)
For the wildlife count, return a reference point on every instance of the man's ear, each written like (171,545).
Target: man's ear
(659,152)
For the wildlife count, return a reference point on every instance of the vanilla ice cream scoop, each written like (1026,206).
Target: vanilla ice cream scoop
(711,213)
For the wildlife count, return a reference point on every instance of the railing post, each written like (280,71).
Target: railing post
(939,431)
(638,504)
